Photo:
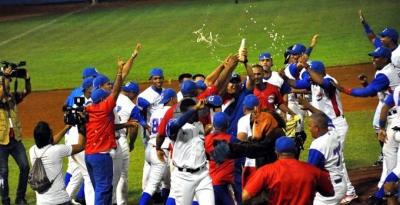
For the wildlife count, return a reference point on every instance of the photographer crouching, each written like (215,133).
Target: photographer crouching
(11,133)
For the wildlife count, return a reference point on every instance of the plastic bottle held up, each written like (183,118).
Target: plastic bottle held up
(242,47)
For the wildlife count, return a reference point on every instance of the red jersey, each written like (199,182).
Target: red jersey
(100,132)
(224,173)
(289,181)
(269,97)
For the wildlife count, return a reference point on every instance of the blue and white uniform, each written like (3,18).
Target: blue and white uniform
(190,176)
(148,102)
(325,153)
(126,110)
(159,171)
(385,81)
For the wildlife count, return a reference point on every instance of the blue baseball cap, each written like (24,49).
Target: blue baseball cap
(200,84)
(90,71)
(317,66)
(389,32)
(131,87)
(100,80)
(98,94)
(87,83)
(284,145)
(156,72)
(298,49)
(264,55)
(167,94)
(250,101)
(235,77)
(381,52)
(188,87)
(214,101)
(220,120)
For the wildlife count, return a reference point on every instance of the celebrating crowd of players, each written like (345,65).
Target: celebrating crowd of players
(188,136)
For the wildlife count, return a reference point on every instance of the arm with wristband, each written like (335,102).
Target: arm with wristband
(368,31)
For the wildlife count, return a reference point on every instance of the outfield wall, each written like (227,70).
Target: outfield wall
(30,2)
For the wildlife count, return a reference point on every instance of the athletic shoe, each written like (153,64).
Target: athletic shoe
(21,201)
(348,198)
(373,200)
(74,202)
(379,162)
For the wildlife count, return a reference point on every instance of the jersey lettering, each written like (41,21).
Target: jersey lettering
(336,151)
(155,123)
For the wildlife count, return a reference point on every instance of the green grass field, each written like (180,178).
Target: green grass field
(57,47)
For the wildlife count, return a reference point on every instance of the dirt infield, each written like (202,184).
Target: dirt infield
(47,105)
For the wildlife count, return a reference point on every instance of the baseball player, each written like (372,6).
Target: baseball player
(389,38)
(126,111)
(385,81)
(148,102)
(390,136)
(159,171)
(325,153)
(190,177)
(326,97)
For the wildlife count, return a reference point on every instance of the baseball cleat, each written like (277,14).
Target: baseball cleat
(348,198)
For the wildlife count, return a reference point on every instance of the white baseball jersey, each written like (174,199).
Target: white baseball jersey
(396,59)
(325,153)
(326,149)
(155,120)
(275,79)
(244,125)
(152,97)
(124,110)
(328,101)
(391,73)
(189,151)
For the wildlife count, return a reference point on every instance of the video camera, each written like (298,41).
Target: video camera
(76,115)
(17,71)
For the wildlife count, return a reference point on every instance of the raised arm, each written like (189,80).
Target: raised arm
(368,31)
(128,65)
(118,80)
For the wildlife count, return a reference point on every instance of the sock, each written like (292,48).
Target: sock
(67,178)
(165,194)
(144,199)
(81,193)
(390,178)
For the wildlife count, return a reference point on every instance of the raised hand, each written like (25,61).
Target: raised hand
(362,19)
(314,40)
(137,49)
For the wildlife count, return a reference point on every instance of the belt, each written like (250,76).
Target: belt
(337,181)
(392,112)
(190,170)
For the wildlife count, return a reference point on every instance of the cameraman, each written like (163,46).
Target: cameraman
(10,138)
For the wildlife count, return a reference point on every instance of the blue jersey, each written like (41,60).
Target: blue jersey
(235,111)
